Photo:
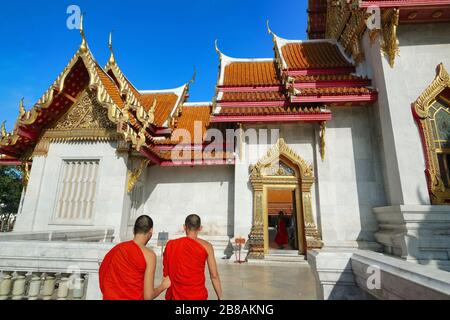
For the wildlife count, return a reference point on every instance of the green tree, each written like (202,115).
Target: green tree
(10,189)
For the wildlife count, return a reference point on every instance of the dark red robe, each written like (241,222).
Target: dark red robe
(282,236)
(122,273)
(184,262)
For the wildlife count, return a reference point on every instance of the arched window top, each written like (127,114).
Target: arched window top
(279,168)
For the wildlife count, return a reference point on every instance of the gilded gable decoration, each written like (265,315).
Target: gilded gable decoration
(347,23)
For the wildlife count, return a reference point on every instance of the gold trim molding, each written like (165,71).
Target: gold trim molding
(302,182)
(439,194)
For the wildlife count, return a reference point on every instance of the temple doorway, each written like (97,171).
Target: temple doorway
(282,220)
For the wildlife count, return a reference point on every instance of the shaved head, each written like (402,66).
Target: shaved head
(143,225)
(193,222)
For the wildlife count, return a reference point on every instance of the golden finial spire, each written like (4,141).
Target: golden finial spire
(22,110)
(268,27)
(4,129)
(216,44)
(193,76)
(83,46)
(269,30)
(112,59)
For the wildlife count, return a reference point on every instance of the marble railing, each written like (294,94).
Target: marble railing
(7,221)
(100,235)
(42,286)
(50,270)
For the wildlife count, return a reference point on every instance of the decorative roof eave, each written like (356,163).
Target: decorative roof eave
(266,103)
(357,98)
(299,117)
(404,3)
(27,118)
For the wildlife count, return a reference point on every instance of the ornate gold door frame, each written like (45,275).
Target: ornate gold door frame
(302,181)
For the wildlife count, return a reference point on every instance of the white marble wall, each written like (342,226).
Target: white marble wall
(349,181)
(422,48)
(172,193)
(41,196)
(299,137)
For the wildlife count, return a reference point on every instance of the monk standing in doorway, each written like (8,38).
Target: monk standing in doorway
(184,263)
(128,270)
(282,237)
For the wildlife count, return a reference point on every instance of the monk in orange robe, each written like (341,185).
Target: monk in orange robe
(282,237)
(184,263)
(128,270)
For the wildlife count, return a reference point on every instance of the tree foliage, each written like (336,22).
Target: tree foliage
(10,189)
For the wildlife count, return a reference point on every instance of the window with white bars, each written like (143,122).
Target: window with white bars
(77,188)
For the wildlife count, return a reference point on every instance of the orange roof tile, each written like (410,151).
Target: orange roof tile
(110,87)
(254,73)
(313,55)
(189,116)
(165,103)
(253,96)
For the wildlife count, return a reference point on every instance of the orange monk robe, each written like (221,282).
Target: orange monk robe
(184,262)
(122,273)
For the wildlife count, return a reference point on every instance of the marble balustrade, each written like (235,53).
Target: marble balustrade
(42,286)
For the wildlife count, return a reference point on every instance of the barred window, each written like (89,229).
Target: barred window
(76,190)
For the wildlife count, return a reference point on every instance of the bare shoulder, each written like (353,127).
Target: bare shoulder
(149,254)
(208,246)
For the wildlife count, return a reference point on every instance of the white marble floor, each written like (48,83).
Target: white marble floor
(281,281)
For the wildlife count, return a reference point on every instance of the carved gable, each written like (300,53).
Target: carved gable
(86,120)
(86,113)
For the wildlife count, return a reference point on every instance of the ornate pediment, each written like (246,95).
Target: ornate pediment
(86,120)
(273,160)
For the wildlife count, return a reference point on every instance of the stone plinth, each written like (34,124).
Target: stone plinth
(416,233)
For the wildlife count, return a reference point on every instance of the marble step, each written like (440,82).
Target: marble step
(281,258)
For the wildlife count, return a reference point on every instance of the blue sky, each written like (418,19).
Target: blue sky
(157,43)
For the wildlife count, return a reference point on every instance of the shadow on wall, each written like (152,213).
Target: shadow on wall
(191,175)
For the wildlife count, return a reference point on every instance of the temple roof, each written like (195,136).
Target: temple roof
(166,102)
(250,73)
(190,114)
(296,85)
(319,54)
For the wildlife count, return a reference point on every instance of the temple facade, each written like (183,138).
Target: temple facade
(347,133)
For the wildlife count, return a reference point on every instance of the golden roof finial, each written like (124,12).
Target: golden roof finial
(268,27)
(83,46)
(269,30)
(193,76)
(112,59)
(22,110)
(216,43)
(4,134)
